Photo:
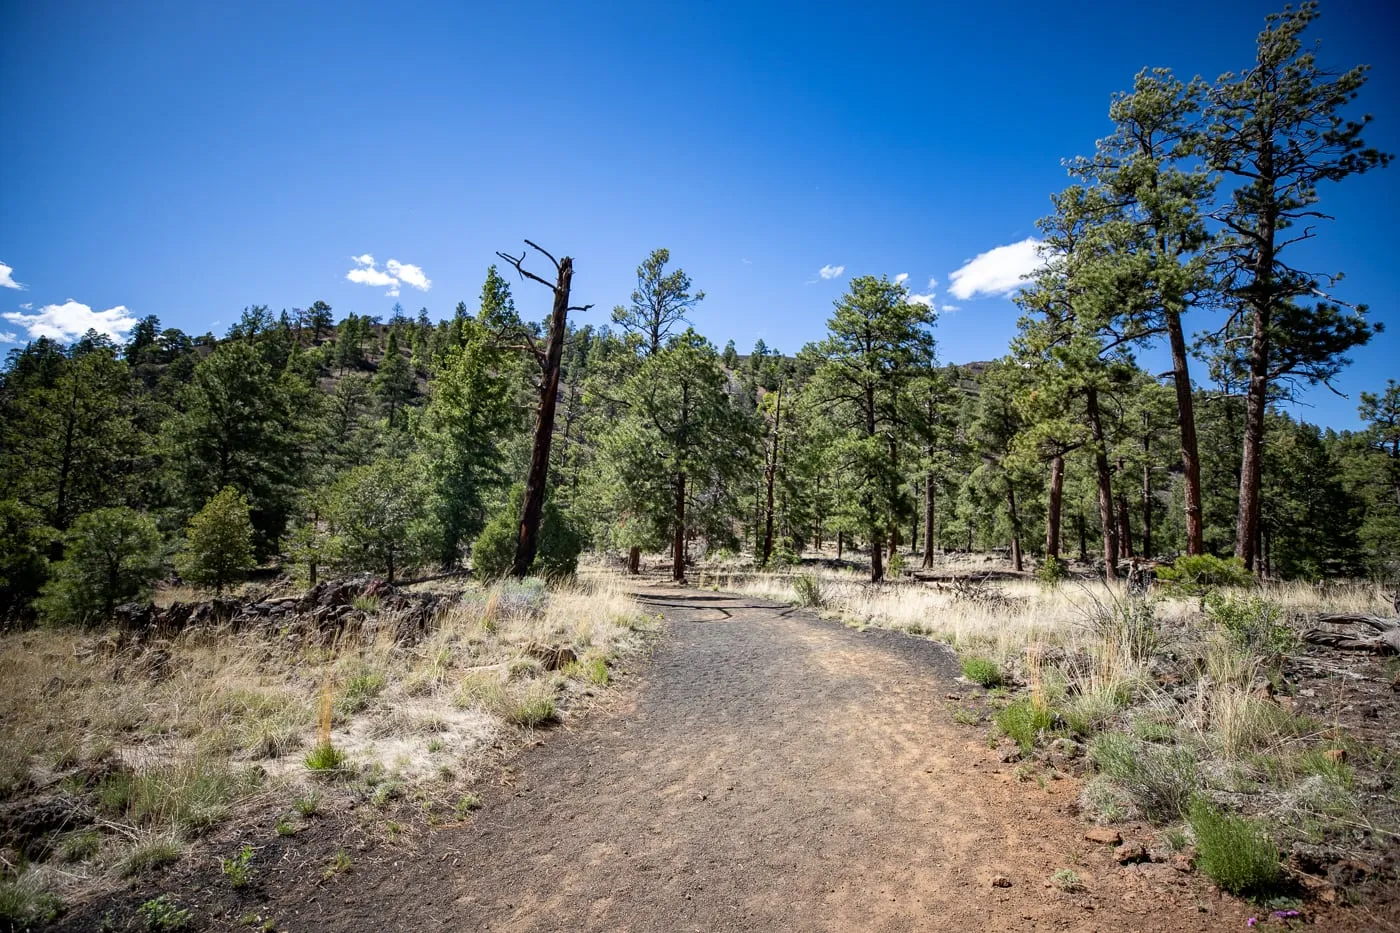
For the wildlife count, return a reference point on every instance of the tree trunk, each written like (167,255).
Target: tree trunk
(1052,517)
(1083,537)
(1125,532)
(1252,465)
(678,546)
(877,556)
(634,560)
(538,478)
(1146,494)
(1105,484)
(840,542)
(1015,526)
(1186,420)
(770,474)
(928,519)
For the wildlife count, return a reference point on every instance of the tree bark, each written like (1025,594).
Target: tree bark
(1146,495)
(1125,531)
(1186,421)
(1052,517)
(634,560)
(1252,464)
(770,474)
(678,546)
(1015,526)
(928,519)
(1105,484)
(538,478)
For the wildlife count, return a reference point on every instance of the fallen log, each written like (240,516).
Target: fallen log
(1385,641)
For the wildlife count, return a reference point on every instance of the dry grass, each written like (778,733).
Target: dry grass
(170,738)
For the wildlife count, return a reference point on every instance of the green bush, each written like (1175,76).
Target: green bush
(1024,720)
(111,556)
(982,671)
(1160,779)
(1234,852)
(1052,571)
(218,547)
(808,589)
(1199,574)
(557,549)
(24,539)
(23,904)
(1251,622)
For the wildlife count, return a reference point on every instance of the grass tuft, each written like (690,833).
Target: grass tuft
(1234,852)
(982,671)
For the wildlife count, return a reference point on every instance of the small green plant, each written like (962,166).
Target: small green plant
(308,805)
(369,605)
(325,759)
(807,587)
(237,868)
(339,864)
(1251,623)
(1067,880)
(361,690)
(23,903)
(149,854)
(386,793)
(1052,572)
(285,827)
(1199,574)
(434,746)
(1159,779)
(80,847)
(161,913)
(1023,720)
(966,717)
(532,707)
(1234,852)
(982,671)
(467,804)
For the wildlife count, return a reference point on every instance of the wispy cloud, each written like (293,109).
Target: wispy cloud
(7,278)
(830,272)
(925,300)
(949,309)
(72,319)
(901,278)
(394,274)
(8,336)
(998,271)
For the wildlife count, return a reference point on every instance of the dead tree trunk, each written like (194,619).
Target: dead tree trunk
(928,519)
(770,474)
(1385,641)
(678,545)
(549,360)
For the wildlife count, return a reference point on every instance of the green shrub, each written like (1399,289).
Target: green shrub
(557,548)
(982,671)
(808,589)
(782,555)
(325,758)
(218,546)
(1234,852)
(1199,574)
(360,690)
(1251,622)
(161,913)
(533,707)
(24,564)
(237,868)
(148,855)
(1024,720)
(1052,571)
(23,903)
(1160,779)
(111,556)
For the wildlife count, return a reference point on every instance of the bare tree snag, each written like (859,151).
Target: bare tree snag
(770,475)
(549,360)
(1386,641)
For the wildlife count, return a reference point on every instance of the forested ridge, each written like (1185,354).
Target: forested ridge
(386,445)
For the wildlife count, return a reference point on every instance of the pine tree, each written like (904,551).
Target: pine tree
(218,547)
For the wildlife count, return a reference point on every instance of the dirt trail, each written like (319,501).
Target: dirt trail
(771,772)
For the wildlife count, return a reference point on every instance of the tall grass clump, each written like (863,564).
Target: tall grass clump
(982,671)
(1160,779)
(1234,852)
(807,589)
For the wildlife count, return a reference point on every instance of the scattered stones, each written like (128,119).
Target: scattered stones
(1009,751)
(1001,881)
(1131,853)
(1103,835)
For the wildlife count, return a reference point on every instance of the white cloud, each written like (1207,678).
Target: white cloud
(998,271)
(7,277)
(900,279)
(949,309)
(409,275)
(73,319)
(28,305)
(830,272)
(393,275)
(932,282)
(925,300)
(8,336)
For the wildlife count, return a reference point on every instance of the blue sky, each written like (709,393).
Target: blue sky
(189,159)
